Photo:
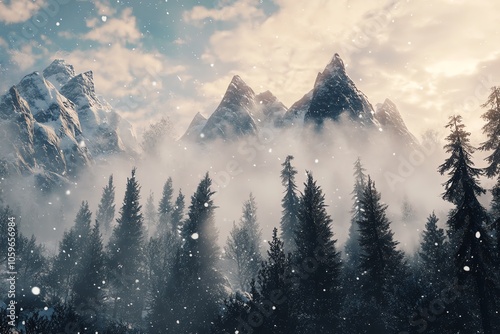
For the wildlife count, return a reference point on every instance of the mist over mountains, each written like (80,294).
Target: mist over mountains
(62,138)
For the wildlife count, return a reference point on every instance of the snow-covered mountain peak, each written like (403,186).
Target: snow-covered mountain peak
(390,119)
(59,72)
(80,89)
(335,65)
(40,94)
(233,116)
(335,94)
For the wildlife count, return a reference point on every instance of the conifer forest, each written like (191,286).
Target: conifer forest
(193,167)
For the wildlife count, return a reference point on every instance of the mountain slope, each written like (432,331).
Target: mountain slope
(53,127)
(335,94)
(233,117)
(390,120)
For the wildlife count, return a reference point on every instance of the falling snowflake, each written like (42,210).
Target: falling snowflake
(35,290)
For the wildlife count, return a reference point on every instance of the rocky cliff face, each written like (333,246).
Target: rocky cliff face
(52,125)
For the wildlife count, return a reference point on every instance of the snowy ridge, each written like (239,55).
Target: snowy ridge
(56,132)
(390,119)
(334,97)
(233,117)
(335,94)
(58,73)
(195,127)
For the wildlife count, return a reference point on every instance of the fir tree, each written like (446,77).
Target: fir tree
(317,262)
(433,256)
(492,130)
(495,202)
(243,245)
(64,267)
(165,208)
(470,240)
(289,203)
(275,291)
(352,249)
(126,255)
(382,265)
(178,212)
(88,285)
(106,209)
(82,227)
(190,301)
(150,213)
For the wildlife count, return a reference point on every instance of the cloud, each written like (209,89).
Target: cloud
(17,11)
(239,10)
(122,29)
(425,56)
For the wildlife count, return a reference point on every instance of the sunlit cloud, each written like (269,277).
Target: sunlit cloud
(19,10)
(121,29)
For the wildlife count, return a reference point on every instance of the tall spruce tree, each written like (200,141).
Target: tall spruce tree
(106,209)
(382,265)
(289,203)
(243,245)
(82,227)
(191,299)
(64,268)
(126,256)
(275,291)
(178,212)
(492,130)
(165,208)
(433,257)
(467,223)
(352,248)
(317,262)
(150,213)
(89,283)
(66,264)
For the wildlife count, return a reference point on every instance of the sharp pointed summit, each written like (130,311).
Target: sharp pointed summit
(335,95)
(59,72)
(195,127)
(390,120)
(53,126)
(233,116)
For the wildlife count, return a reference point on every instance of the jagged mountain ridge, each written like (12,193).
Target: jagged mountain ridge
(334,97)
(53,125)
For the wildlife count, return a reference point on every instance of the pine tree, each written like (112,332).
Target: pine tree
(289,203)
(82,227)
(88,285)
(495,202)
(352,249)
(275,291)
(178,212)
(165,208)
(243,245)
(150,213)
(106,209)
(126,256)
(382,265)
(470,240)
(433,257)
(64,267)
(318,263)
(190,301)
(492,130)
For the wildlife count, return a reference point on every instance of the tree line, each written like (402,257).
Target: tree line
(176,279)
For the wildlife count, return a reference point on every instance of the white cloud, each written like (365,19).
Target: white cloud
(122,29)
(241,9)
(425,56)
(17,11)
